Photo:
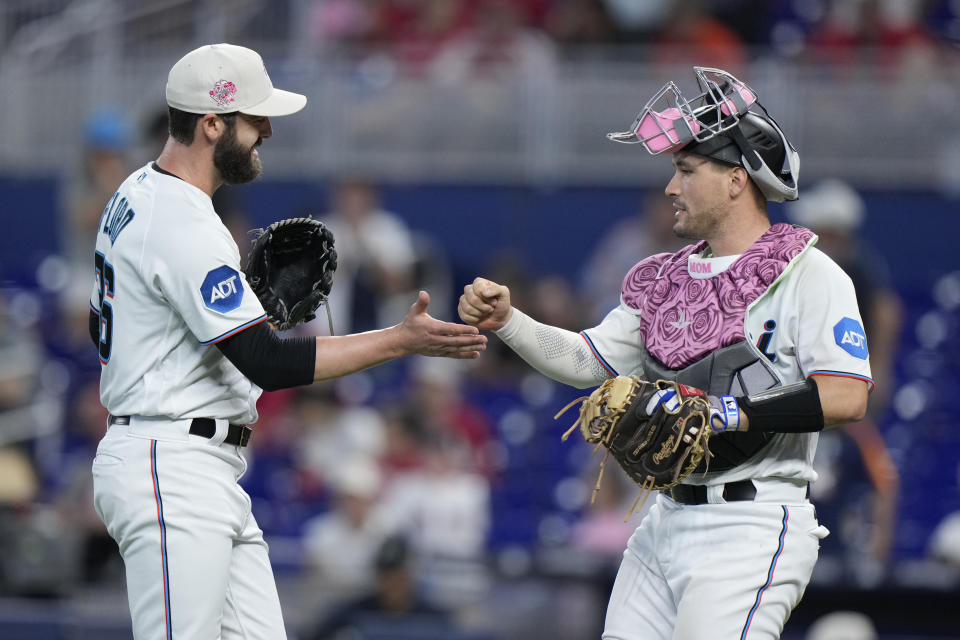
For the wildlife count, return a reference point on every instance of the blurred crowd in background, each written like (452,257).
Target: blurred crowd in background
(419,29)
(415,487)
(477,34)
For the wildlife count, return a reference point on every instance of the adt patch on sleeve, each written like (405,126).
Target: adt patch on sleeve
(222,289)
(851,337)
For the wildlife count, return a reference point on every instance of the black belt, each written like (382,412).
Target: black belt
(237,434)
(742,491)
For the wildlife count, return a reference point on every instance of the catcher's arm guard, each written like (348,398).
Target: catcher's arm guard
(658,432)
(290,268)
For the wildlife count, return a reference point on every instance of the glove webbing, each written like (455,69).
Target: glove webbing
(646,487)
(566,434)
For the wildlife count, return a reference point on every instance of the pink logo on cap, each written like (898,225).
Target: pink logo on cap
(222,93)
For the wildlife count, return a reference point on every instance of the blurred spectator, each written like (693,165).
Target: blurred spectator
(945,541)
(638,21)
(603,530)
(227,204)
(404,434)
(886,31)
(647,232)
(842,625)
(498,46)
(575,22)
(835,211)
(837,35)
(445,513)
(446,412)
(21,360)
(37,555)
(392,602)
(856,495)
(84,425)
(418,31)
(376,259)
(432,272)
(156,130)
(692,35)
(554,299)
(341,24)
(103,164)
(332,430)
(446,509)
(341,544)
(19,484)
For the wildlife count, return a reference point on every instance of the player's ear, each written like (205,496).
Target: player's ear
(738,181)
(211,127)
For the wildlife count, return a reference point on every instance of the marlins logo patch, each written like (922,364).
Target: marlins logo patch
(851,337)
(222,289)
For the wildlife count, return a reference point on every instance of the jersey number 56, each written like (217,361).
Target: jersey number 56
(105,286)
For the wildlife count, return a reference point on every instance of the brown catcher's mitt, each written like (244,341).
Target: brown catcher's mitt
(657,431)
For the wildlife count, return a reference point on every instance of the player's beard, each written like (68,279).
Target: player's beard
(236,163)
(702,225)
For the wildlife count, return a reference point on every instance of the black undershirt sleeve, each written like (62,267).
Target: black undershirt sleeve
(268,361)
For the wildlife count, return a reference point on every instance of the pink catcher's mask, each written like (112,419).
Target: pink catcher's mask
(680,121)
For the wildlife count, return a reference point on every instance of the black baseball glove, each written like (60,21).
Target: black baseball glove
(290,269)
(657,431)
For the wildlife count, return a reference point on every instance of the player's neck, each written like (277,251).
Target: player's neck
(193,166)
(738,235)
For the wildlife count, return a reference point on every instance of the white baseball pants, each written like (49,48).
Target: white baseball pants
(731,571)
(196,562)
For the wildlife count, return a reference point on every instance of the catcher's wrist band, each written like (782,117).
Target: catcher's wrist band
(794,408)
(724,413)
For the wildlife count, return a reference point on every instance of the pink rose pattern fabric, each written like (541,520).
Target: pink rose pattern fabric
(683,318)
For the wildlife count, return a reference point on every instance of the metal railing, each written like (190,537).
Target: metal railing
(540,124)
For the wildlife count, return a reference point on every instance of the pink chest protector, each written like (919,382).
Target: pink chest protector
(685,318)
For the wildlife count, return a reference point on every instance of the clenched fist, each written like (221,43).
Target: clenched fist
(485,305)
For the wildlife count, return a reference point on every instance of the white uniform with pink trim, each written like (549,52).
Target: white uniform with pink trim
(725,570)
(169,286)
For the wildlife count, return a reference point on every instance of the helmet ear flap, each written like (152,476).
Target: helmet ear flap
(749,156)
(767,155)
(777,173)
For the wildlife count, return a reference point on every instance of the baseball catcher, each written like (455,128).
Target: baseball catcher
(290,269)
(657,431)
(766,331)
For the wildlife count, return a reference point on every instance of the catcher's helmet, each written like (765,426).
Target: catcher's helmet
(720,125)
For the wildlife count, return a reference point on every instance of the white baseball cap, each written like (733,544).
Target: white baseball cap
(829,205)
(223,78)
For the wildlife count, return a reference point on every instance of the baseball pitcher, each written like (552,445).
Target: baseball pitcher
(186,348)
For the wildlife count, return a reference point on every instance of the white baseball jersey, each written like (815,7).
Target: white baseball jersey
(806,323)
(169,286)
(168,276)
